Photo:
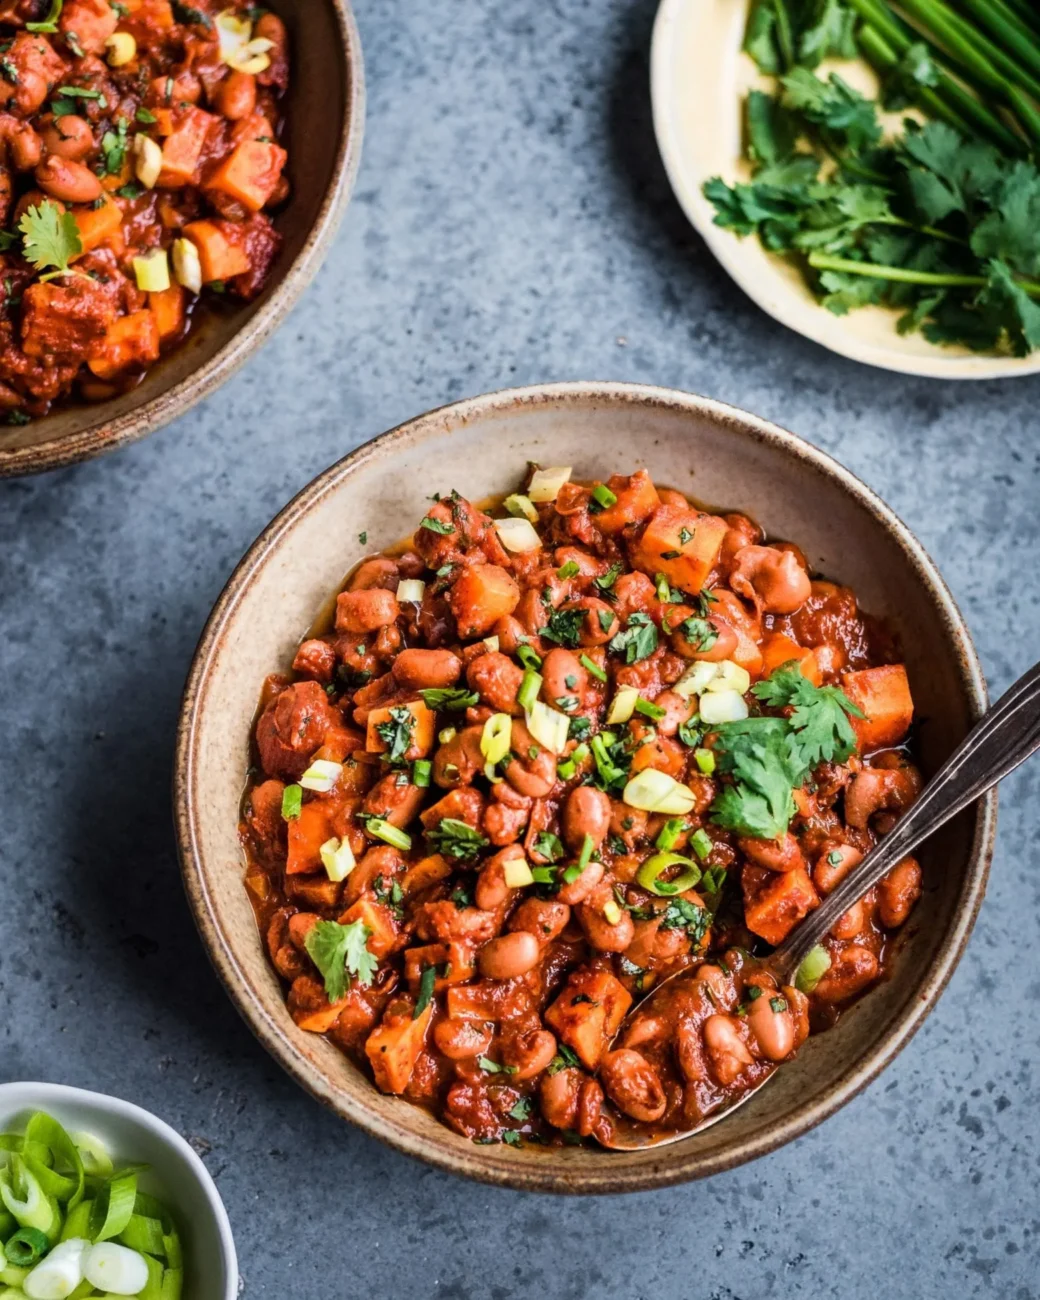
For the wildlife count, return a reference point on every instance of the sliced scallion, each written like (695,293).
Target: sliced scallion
(529,688)
(670,833)
(381,829)
(649,874)
(592,667)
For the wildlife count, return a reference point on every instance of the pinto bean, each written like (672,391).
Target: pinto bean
(379,572)
(383,860)
(586,812)
(833,865)
(491,890)
(69,137)
(676,712)
(773,1030)
(601,933)
(545,918)
(599,622)
(878,789)
(633,1085)
(236,96)
(851,923)
(366,610)
(740,532)
(529,1052)
(563,676)
(576,891)
(71,182)
(727,1051)
(458,760)
(558,1094)
(852,969)
(723,645)
(531,776)
(898,892)
(300,927)
(777,855)
(497,680)
(395,803)
(292,727)
(315,659)
(509,956)
(722,988)
(418,670)
(24,146)
(460,1040)
(772,579)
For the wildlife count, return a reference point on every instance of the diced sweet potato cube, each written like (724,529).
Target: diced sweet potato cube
(168,309)
(883,696)
(317,893)
(379,920)
(310,1008)
(588,1013)
(95,225)
(130,341)
(482,596)
(422,730)
(682,544)
(393,1048)
(474,1002)
(452,961)
(67,319)
(183,147)
(250,173)
(307,833)
(775,901)
(91,23)
(424,874)
(779,649)
(637,500)
(221,257)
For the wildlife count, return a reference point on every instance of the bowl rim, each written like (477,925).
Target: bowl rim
(541,1175)
(171,403)
(775,299)
(43,1096)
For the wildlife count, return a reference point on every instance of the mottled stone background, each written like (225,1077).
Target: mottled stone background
(511,224)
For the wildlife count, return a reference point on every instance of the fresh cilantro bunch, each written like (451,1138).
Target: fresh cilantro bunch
(768,758)
(941,222)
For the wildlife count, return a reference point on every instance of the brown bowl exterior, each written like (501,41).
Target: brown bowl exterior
(719,455)
(328,87)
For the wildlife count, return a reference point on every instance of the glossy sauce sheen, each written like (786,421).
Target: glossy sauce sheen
(531,984)
(69,126)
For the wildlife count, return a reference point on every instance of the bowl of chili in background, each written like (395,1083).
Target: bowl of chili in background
(219,330)
(717,456)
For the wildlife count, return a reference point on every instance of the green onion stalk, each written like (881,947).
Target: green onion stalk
(906,275)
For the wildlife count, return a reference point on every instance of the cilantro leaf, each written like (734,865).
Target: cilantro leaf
(638,640)
(820,721)
(833,105)
(337,950)
(453,698)
(456,839)
(564,627)
(396,733)
(756,753)
(51,239)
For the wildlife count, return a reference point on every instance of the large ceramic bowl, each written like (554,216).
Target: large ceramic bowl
(718,455)
(324,124)
(174,1172)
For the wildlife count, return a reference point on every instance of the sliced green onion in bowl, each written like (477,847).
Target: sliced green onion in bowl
(26,1247)
(421,771)
(410,591)
(567,767)
(654,791)
(623,705)
(702,844)
(546,483)
(730,677)
(321,776)
(652,711)
(338,859)
(517,873)
(695,679)
(603,496)
(670,833)
(528,657)
(723,706)
(527,695)
(705,760)
(496,737)
(548,726)
(60,1273)
(492,643)
(518,535)
(591,666)
(381,829)
(813,968)
(649,874)
(446,735)
(115,1269)
(521,507)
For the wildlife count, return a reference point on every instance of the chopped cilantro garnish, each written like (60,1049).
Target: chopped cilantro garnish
(338,950)
(448,697)
(456,839)
(638,640)
(396,733)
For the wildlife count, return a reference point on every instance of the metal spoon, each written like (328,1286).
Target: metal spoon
(1005,737)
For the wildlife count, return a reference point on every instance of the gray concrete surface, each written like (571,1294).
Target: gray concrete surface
(512,224)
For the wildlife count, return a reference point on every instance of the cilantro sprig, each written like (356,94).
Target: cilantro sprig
(767,758)
(340,951)
(50,239)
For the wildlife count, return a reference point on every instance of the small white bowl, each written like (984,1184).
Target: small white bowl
(176,1174)
(699,78)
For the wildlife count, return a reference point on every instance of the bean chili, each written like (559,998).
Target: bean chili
(138,163)
(540,762)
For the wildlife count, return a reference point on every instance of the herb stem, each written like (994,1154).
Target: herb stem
(1008,28)
(905,275)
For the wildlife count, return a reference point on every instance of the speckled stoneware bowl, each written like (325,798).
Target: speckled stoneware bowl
(718,455)
(325,114)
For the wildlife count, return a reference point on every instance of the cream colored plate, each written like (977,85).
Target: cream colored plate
(699,77)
